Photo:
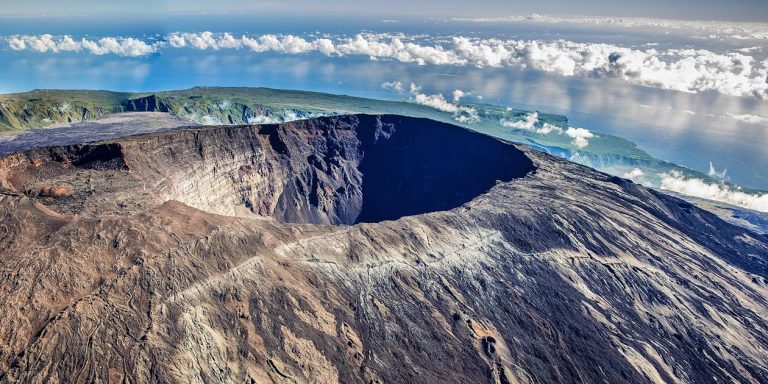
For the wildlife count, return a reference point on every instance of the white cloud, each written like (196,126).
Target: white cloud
(548,128)
(676,182)
(711,29)
(287,115)
(458,94)
(17,43)
(224,104)
(393,85)
(177,41)
(634,174)
(106,45)
(466,115)
(714,173)
(687,70)
(262,119)
(437,101)
(528,122)
(748,118)
(580,136)
(751,49)
(461,113)
(121,47)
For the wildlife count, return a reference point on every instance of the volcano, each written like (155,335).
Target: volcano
(363,249)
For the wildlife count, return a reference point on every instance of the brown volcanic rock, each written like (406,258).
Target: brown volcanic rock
(259,254)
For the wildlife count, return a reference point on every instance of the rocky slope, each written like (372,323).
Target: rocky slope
(359,249)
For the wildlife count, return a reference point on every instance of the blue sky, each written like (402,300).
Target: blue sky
(747,10)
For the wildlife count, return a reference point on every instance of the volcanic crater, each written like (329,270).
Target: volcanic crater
(334,170)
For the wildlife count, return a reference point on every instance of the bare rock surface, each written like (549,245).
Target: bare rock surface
(363,249)
(107,127)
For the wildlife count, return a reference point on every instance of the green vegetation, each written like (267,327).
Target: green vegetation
(43,108)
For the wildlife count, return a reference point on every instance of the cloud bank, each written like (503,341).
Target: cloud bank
(675,181)
(120,46)
(710,29)
(749,118)
(687,70)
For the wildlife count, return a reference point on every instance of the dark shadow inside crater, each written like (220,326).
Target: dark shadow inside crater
(415,166)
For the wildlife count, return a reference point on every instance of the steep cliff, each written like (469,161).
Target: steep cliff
(43,108)
(359,249)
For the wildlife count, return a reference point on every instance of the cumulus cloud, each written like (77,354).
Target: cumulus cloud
(458,95)
(461,113)
(17,43)
(437,101)
(528,122)
(634,174)
(121,47)
(580,136)
(749,118)
(548,128)
(531,122)
(127,46)
(466,115)
(393,85)
(687,70)
(675,181)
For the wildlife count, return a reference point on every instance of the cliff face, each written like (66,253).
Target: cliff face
(208,255)
(218,110)
(43,108)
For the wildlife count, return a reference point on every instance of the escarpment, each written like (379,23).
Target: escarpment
(336,170)
(363,249)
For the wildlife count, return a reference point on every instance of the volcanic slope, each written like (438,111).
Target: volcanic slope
(363,249)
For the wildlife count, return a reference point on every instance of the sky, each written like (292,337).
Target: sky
(736,10)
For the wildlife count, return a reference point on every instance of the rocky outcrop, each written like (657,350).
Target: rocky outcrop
(360,249)
(149,103)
